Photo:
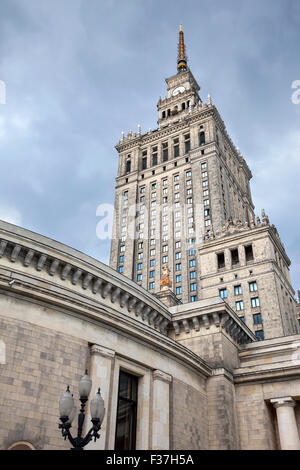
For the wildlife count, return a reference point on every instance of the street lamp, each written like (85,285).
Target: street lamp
(67,410)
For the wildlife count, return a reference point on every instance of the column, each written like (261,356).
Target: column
(287,426)
(161,411)
(101,362)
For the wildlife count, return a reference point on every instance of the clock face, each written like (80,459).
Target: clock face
(179,89)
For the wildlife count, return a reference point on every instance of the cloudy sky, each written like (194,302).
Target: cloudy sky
(78,72)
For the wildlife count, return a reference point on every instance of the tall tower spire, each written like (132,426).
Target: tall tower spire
(181,59)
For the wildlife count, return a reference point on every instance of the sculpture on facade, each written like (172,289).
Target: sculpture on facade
(165,282)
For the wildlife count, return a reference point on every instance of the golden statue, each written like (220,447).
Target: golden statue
(165,282)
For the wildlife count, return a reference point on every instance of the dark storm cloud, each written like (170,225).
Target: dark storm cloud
(79,72)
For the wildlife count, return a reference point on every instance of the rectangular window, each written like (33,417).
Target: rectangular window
(176,147)
(178,255)
(193,298)
(139,277)
(249,253)
(193,275)
(253,286)
(140,255)
(144,163)
(192,252)
(206,202)
(121,269)
(260,335)
(193,287)
(176,178)
(188,174)
(122,259)
(221,260)
(165,259)
(257,320)
(127,412)
(165,151)
(255,302)
(206,192)
(187,143)
(128,166)
(189,200)
(223,293)
(237,290)
(205,184)
(151,285)
(178,267)
(152,274)
(178,290)
(239,305)
(178,278)
(140,266)
(152,262)
(192,263)
(234,257)
(201,138)
(203,166)
(178,245)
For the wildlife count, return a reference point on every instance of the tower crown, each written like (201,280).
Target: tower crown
(181,59)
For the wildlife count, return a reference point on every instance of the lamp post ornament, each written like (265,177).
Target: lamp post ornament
(67,410)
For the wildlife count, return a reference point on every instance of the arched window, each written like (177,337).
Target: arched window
(21,445)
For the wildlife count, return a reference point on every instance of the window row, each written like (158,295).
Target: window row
(238,290)
(234,255)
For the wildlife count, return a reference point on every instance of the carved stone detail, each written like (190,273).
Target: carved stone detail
(28,258)
(15,253)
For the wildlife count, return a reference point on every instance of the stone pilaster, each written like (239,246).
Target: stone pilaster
(101,363)
(287,426)
(161,411)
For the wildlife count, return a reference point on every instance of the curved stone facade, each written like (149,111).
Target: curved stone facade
(198,366)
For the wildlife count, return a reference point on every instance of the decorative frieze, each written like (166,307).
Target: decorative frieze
(218,320)
(145,312)
(28,258)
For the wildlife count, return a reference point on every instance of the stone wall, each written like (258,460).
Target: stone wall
(189,417)
(39,365)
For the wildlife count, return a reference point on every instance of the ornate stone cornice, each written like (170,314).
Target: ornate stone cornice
(102,351)
(218,316)
(159,375)
(48,260)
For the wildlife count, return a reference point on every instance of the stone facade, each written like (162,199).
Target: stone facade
(183,200)
(204,382)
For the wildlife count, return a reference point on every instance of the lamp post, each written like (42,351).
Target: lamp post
(67,410)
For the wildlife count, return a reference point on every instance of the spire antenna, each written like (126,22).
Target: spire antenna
(181,59)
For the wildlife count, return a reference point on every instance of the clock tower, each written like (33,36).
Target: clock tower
(184,214)
(182,91)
